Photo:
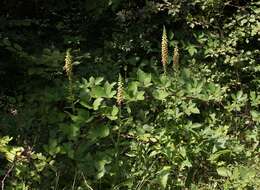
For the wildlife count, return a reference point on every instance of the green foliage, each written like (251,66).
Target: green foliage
(158,140)
(194,127)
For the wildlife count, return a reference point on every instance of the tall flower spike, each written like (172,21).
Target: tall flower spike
(164,49)
(119,97)
(68,68)
(176,56)
(68,64)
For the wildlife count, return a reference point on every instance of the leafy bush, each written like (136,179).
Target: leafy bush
(170,132)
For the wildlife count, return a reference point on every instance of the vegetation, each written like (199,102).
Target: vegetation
(116,94)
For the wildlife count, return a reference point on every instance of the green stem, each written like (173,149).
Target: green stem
(71,95)
(117,147)
(164,69)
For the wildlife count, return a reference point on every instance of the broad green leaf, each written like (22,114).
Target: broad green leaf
(255,115)
(191,49)
(190,108)
(5,140)
(82,116)
(108,89)
(53,147)
(67,148)
(18,47)
(100,131)
(133,86)
(114,111)
(102,161)
(71,131)
(139,95)
(160,94)
(144,77)
(11,152)
(97,103)
(163,176)
(222,171)
(246,173)
(85,104)
(255,99)
(98,80)
(186,163)
(97,92)
(165,81)
(182,152)
(6,42)
(195,125)
(214,156)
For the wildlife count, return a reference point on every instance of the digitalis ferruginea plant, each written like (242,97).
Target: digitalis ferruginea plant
(69,72)
(68,64)
(119,97)
(176,56)
(164,49)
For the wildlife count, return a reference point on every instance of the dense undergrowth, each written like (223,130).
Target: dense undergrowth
(129,95)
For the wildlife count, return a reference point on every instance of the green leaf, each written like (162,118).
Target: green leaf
(160,94)
(186,163)
(191,49)
(97,103)
(112,114)
(133,86)
(144,78)
(222,171)
(115,111)
(190,108)
(255,115)
(85,104)
(98,80)
(53,147)
(83,116)
(182,152)
(11,152)
(139,95)
(171,35)
(247,173)
(194,110)
(195,125)
(97,92)
(108,89)
(102,161)
(254,98)
(257,11)
(99,132)
(163,176)
(165,81)
(213,157)
(18,47)
(5,140)
(6,42)
(71,131)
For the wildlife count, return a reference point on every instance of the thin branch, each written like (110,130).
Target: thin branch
(7,174)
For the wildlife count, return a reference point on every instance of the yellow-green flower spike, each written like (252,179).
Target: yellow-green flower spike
(164,49)
(68,64)
(176,56)
(119,98)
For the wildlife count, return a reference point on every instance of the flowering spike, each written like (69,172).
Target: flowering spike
(68,68)
(119,98)
(164,49)
(176,56)
(68,64)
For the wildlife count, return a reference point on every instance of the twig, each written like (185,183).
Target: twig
(7,174)
(85,182)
